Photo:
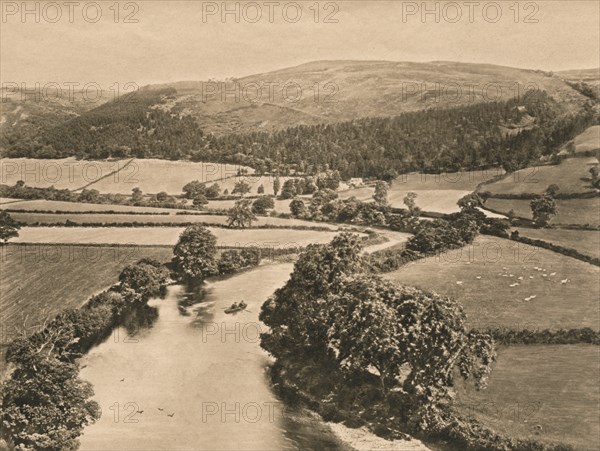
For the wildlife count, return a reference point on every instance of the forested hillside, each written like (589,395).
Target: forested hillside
(513,133)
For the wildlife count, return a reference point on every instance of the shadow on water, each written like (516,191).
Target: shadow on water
(206,369)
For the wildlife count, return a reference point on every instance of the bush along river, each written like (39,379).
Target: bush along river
(196,378)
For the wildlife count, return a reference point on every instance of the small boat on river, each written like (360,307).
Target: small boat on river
(235,307)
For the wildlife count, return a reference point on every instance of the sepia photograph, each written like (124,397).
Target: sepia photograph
(348,225)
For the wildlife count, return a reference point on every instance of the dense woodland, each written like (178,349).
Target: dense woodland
(514,134)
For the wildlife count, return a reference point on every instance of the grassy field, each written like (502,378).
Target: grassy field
(554,388)
(572,176)
(460,181)
(157,219)
(588,140)
(148,236)
(435,192)
(570,211)
(480,277)
(55,205)
(585,241)
(153,176)
(67,173)
(39,280)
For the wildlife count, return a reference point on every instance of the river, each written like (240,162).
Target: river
(197,381)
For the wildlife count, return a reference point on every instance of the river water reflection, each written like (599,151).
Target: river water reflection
(197,381)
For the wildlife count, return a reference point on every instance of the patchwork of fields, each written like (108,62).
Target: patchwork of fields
(497,282)
(571,211)
(547,393)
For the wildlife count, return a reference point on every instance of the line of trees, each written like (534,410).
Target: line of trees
(45,405)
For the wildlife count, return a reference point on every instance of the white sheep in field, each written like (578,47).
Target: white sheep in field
(564,281)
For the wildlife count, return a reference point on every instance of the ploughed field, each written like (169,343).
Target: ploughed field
(506,284)
(568,211)
(40,280)
(545,392)
(168,236)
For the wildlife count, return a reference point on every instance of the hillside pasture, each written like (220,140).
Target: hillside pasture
(588,140)
(439,201)
(569,211)
(168,236)
(110,218)
(547,393)
(459,181)
(435,192)
(41,280)
(571,175)
(494,279)
(585,241)
(66,173)
(153,176)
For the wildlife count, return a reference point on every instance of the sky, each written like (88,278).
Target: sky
(162,41)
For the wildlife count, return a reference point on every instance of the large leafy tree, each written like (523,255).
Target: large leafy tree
(241,188)
(47,406)
(261,205)
(543,208)
(193,189)
(195,253)
(413,341)
(9,228)
(241,214)
(381,194)
(144,279)
(294,313)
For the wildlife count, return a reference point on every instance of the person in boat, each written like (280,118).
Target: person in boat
(234,305)
(242,304)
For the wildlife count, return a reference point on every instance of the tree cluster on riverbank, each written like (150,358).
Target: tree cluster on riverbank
(333,313)
(45,405)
